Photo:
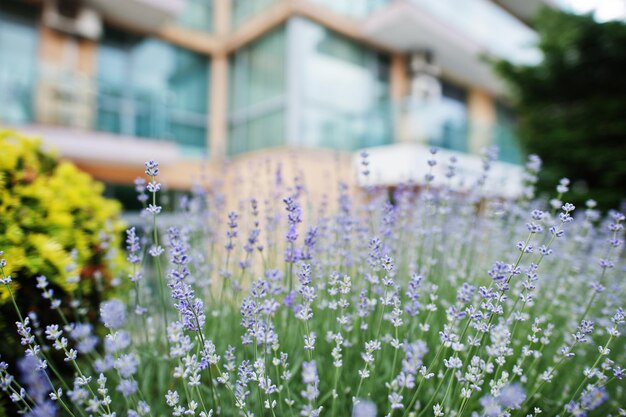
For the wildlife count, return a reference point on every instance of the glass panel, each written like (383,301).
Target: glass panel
(244,9)
(257,91)
(447,120)
(149,88)
(358,9)
(112,69)
(356,113)
(198,14)
(442,122)
(18,54)
(504,135)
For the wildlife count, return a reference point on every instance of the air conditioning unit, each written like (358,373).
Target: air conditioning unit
(423,73)
(72,17)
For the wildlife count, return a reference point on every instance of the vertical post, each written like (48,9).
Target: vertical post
(218,85)
(218,108)
(87,68)
(221,16)
(398,90)
(482,116)
(398,77)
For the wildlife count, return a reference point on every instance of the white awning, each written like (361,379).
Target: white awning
(407,163)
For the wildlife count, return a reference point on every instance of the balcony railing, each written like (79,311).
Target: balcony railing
(151,115)
(328,127)
(65,98)
(321,126)
(73,101)
(16,97)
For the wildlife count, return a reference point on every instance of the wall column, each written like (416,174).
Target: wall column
(218,85)
(221,16)
(398,77)
(218,108)
(482,117)
(398,91)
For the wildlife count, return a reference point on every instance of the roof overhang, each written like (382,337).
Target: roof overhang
(460,48)
(524,10)
(145,15)
(402,26)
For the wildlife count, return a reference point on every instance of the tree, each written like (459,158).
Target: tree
(572,105)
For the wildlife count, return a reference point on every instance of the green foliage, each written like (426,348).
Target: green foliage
(54,222)
(572,105)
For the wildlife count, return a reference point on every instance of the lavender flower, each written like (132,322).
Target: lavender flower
(113,313)
(419,294)
(133,247)
(512,396)
(152,168)
(191,308)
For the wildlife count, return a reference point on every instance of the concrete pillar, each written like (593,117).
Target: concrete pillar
(398,90)
(218,131)
(218,86)
(221,16)
(398,77)
(482,117)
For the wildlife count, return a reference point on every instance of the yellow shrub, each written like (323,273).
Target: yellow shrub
(54,221)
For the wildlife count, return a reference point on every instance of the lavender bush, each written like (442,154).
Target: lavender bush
(425,302)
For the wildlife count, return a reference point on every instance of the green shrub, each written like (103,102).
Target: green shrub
(54,222)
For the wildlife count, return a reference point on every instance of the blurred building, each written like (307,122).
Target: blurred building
(199,82)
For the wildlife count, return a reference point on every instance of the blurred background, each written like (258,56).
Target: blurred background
(205,85)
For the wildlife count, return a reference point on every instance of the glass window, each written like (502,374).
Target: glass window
(504,135)
(257,95)
(443,122)
(358,9)
(198,14)
(149,88)
(18,55)
(343,90)
(244,9)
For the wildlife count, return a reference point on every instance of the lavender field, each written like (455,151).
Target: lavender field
(419,301)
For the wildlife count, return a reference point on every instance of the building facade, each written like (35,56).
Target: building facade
(199,83)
